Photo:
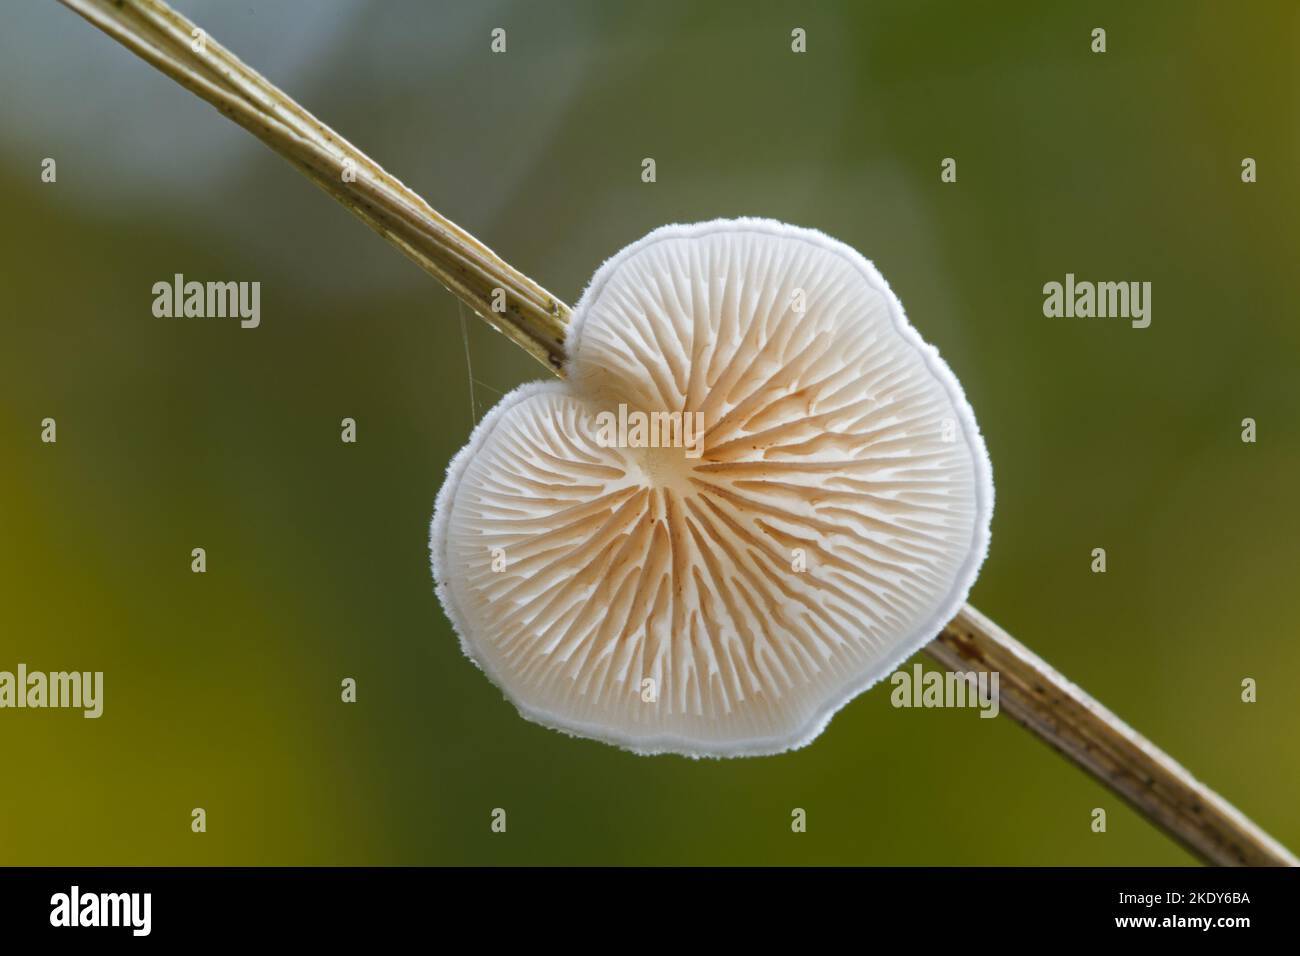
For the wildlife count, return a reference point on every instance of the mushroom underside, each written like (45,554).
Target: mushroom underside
(757,493)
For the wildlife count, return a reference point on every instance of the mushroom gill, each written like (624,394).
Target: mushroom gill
(757,493)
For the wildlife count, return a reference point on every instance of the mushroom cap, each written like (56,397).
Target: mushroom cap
(727,602)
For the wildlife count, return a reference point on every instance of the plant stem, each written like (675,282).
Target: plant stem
(532,317)
(1074,724)
(1032,693)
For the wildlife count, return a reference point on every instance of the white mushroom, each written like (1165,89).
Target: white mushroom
(728,597)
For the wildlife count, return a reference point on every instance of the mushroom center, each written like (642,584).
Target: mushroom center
(666,468)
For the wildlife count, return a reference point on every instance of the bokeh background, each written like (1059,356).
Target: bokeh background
(222,689)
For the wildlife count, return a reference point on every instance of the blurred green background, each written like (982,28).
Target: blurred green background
(222,689)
